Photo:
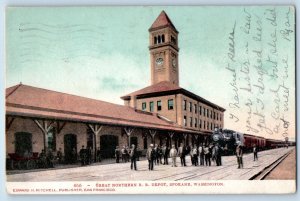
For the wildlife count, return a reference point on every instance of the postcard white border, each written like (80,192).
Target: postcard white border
(152,187)
(261,185)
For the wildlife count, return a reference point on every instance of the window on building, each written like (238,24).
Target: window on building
(196,121)
(207,126)
(158,39)
(191,107)
(151,106)
(144,106)
(211,114)
(191,121)
(163,38)
(184,104)
(200,110)
(184,121)
(217,116)
(214,115)
(204,111)
(207,112)
(170,104)
(204,125)
(195,108)
(158,105)
(200,123)
(220,117)
(155,40)
(211,126)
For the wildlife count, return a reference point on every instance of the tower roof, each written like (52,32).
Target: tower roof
(162,21)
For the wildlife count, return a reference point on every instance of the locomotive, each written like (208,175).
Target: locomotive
(229,139)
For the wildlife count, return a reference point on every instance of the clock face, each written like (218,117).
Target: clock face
(174,63)
(159,61)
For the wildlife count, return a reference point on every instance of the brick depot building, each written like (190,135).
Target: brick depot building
(161,113)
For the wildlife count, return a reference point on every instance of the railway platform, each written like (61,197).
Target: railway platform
(122,171)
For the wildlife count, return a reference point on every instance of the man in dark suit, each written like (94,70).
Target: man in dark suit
(117,154)
(83,155)
(181,153)
(165,152)
(133,156)
(150,156)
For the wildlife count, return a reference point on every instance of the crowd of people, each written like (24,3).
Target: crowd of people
(159,155)
(203,155)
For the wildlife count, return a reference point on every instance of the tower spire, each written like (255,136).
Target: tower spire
(161,21)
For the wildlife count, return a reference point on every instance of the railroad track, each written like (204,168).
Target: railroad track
(261,175)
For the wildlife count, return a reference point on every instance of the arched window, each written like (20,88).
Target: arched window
(163,38)
(159,39)
(155,40)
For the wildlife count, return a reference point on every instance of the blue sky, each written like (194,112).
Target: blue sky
(102,53)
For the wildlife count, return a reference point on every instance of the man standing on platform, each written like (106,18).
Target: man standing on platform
(83,155)
(165,152)
(239,155)
(195,155)
(201,154)
(181,153)
(117,154)
(150,156)
(255,151)
(133,156)
(173,155)
(218,153)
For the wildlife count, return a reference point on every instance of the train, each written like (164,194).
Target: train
(228,140)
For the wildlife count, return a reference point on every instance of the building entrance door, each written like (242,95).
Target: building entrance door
(23,143)
(108,145)
(70,148)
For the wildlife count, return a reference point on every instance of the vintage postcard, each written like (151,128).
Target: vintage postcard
(150,100)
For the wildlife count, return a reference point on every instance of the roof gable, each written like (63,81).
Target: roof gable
(164,86)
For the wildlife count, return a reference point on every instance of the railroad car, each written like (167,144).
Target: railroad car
(228,140)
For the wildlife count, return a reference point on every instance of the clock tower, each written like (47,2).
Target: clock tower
(164,50)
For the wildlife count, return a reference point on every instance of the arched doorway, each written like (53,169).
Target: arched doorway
(70,148)
(23,143)
(108,145)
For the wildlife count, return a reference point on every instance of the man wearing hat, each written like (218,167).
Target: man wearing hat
(239,154)
(133,156)
(173,155)
(150,156)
